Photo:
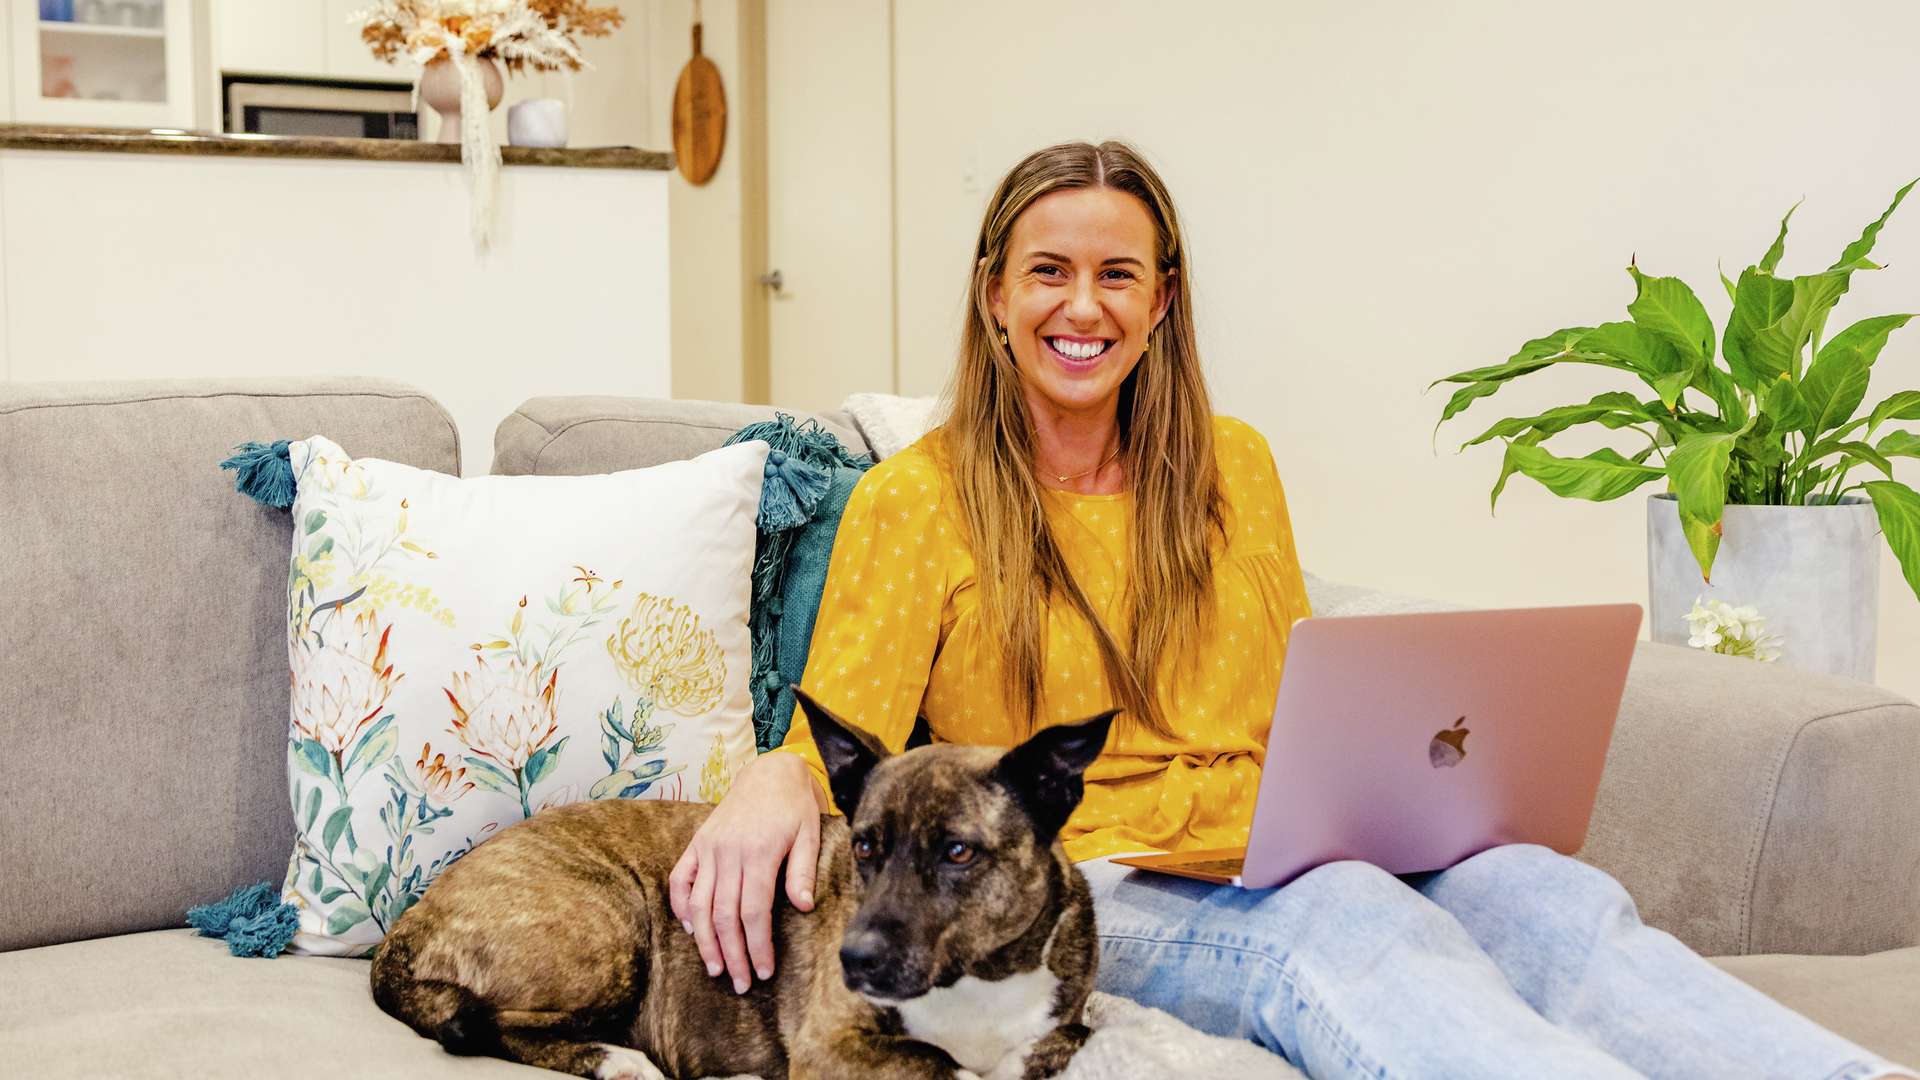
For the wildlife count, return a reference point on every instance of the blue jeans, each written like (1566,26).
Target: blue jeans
(1518,961)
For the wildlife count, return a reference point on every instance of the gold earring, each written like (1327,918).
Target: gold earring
(1003,336)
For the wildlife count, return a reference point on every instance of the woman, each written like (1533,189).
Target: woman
(1084,530)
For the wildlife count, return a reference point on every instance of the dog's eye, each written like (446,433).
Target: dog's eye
(959,852)
(862,848)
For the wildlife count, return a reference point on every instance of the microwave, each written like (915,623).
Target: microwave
(272,105)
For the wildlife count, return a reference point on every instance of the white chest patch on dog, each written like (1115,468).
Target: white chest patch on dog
(979,1023)
(626,1063)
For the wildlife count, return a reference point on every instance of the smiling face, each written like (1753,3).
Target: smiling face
(1078,294)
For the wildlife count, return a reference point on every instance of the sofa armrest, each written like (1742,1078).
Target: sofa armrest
(1755,808)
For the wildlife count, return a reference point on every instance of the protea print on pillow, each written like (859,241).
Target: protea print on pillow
(467,653)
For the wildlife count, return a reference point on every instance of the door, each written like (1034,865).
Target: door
(829,201)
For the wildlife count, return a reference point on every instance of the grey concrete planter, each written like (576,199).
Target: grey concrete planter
(1812,571)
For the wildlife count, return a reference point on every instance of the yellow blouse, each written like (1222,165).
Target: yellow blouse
(900,633)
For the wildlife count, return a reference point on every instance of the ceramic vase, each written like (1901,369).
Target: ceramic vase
(440,88)
(1813,572)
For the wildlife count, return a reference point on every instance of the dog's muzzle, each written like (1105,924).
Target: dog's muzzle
(873,968)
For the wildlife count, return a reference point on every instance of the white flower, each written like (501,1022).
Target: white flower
(1718,626)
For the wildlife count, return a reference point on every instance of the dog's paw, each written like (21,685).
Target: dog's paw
(626,1063)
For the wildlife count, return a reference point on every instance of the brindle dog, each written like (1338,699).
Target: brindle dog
(950,937)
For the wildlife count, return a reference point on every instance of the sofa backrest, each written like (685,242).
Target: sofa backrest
(576,436)
(143,656)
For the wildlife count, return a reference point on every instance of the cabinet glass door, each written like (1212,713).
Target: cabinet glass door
(107,63)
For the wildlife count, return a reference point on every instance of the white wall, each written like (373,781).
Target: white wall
(1379,193)
(116,266)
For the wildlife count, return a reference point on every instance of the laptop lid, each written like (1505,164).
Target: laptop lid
(1413,741)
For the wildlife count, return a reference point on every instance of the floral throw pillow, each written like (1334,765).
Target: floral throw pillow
(468,652)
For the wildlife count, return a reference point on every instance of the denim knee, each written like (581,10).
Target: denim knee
(1535,884)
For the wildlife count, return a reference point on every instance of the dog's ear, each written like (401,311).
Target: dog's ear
(1044,773)
(922,734)
(848,752)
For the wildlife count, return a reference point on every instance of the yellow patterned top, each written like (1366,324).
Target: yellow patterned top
(900,632)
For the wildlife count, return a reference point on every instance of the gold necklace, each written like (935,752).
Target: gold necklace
(1089,472)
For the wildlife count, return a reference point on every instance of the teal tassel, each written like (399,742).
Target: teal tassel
(791,491)
(264,472)
(799,472)
(254,921)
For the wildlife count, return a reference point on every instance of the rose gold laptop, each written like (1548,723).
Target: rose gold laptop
(1414,741)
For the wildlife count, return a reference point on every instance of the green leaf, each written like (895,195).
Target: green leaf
(488,775)
(1861,452)
(347,916)
(1899,444)
(1703,539)
(1776,348)
(1727,284)
(1598,476)
(1641,348)
(336,824)
(313,811)
(374,747)
(314,881)
(1697,471)
(1508,466)
(1666,306)
(1868,336)
(1786,405)
(1904,405)
(541,761)
(315,520)
(1720,387)
(1862,247)
(330,895)
(313,757)
(379,879)
(1772,258)
(1559,419)
(1760,301)
(1834,387)
(1899,511)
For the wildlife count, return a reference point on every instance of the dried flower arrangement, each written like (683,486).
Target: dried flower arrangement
(540,34)
(521,34)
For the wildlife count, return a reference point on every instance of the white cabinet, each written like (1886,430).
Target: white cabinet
(348,57)
(278,37)
(102,63)
(310,38)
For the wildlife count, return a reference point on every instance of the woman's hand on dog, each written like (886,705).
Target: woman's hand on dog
(722,887)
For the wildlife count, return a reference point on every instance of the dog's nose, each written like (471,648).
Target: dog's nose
(861,952)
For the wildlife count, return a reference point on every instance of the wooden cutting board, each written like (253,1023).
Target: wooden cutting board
(699,117)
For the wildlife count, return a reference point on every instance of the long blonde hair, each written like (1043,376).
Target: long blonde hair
(1166,448)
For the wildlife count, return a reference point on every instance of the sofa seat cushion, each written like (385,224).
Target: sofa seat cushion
(169,1003)
(172,1004)
(1873,1000)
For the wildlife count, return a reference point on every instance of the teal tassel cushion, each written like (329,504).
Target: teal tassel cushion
(808,478)
(254,921)
(263,472)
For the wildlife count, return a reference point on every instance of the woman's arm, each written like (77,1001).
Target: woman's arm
(872,650)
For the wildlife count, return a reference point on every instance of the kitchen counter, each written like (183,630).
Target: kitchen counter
(208,144)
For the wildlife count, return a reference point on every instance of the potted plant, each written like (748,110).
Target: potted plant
(1759,444)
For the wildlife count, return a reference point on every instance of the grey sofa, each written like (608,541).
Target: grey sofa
(1768,818)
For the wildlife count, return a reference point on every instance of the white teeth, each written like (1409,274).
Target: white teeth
(1078,350)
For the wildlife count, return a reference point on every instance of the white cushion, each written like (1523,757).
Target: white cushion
(466,652)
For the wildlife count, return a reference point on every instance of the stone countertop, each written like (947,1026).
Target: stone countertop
(209,144)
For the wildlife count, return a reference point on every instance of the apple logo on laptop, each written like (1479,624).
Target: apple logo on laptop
(1449,747)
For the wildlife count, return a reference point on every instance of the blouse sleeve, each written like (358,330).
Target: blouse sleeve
(880,611)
